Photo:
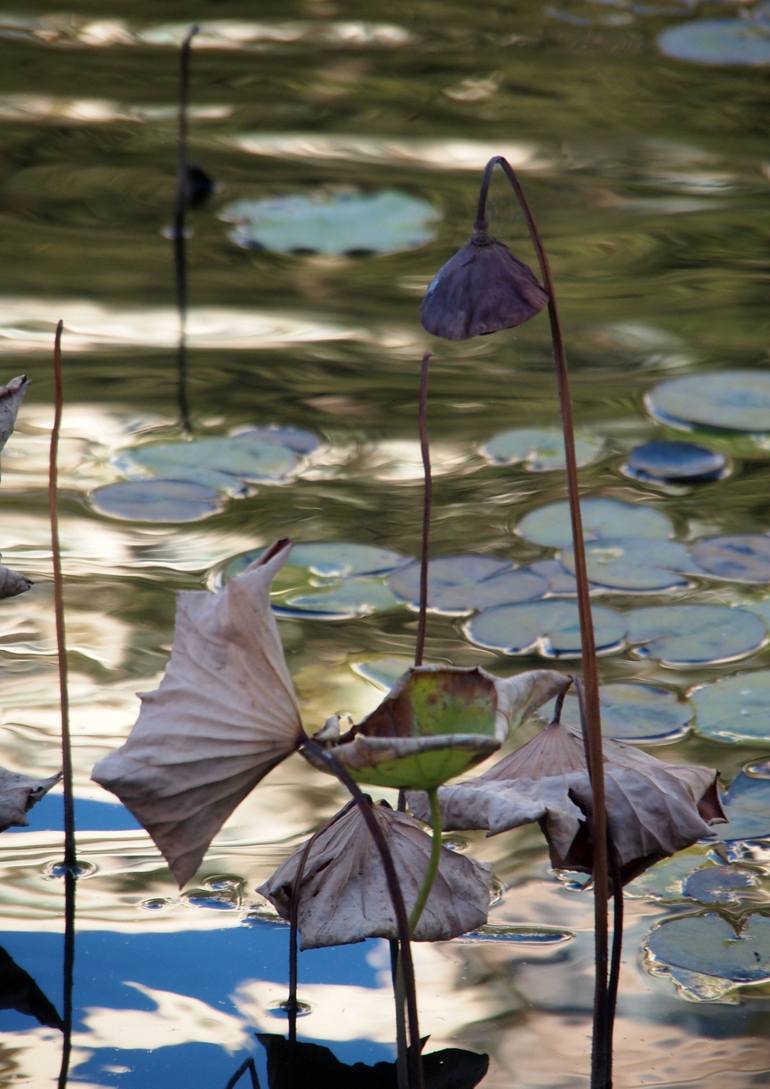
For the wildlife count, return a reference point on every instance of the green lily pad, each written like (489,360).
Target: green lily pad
(675,463)
(328,222)
(156,501)
(743,42)
(561,583)
(436,723)
(551,628)
(720,884)
(632,564)
(602,518)
(692,635)
(723,400)
(637,712)
(345,601)
(743,557)
(293,438)
(382,672)
(224,464)
(458,585)
(747,805)
(707,957)
(325,559)
(734,709)
(538,449)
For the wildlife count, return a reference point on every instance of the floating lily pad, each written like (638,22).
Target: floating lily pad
(225,464)
(720,884)
(458,585)
(156,501)
(743,557)
(382,672)
(747,805)
(293,438)
(538,449)
(692,947)
(602,518)
(675,463)
(744,42)
(327,559)
(551,628)
(734,709)
(356,597)
(724,400)
(633,564)
(333,223)
(560,582)
(637,712)
(691,635)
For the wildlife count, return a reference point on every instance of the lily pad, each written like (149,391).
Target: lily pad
(156,501)
(692,635)
(734,709)
(551,628)
(633,564)
(458,585)
(328,559)
(744,42)
(224,464)
(560,582)
(675,463)
(381,672)
(723,400)
(747,805)
(345,601)
(293,438)
(328,222)
(637,712)
(538,449)
(720,884)
(550,525)
(695,946)
(743,557)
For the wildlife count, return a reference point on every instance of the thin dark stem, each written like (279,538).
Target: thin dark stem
(70,847)
(617,940)
(601,1076)
(246,1066)
(180,209)
(426,510)
(397,899)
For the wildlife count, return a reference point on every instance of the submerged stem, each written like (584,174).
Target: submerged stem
(435,858)
(426,510)
(180,208)
(601,1077)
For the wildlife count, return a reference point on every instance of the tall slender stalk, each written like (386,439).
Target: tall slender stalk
(70,848)
(180,242)
(433,862)
(601,1067)
(426,510)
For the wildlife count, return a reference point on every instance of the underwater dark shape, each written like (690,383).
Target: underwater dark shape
(18,991)
(344,896)
(198,186)
(292,1064)
(481,289)
(675,463)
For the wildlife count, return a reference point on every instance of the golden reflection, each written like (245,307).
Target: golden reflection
(96,111)
(239,34)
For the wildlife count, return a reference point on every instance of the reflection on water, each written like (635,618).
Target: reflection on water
(648,174)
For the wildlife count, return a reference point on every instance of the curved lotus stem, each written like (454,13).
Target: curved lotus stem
(601,1067)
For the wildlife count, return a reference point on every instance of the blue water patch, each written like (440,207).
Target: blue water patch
(90,816)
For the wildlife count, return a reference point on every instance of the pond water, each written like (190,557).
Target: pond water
(346,141)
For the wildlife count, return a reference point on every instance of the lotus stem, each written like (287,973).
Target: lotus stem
(435,858)
(247,1066)
(426,510)
(180,208)
(414,1059)
(601,1075)
(70,848)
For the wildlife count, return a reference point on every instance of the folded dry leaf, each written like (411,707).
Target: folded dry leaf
(224,715)
(18,793)
(11,397)
(12,582)
(344,895)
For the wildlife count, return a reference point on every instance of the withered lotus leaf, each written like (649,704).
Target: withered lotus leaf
(343,894)
(481,289)
(18,793)
(437,722)
(12,582)
(11,397)
(224,715)
(653,808)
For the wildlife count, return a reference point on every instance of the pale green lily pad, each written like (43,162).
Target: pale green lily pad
(458,585)
(736,42)
(723,400)
(225,464)
(743,557)
(721,884)
(707,957)
(382,672)
(550,628)
(665,462)
(293,438)
(561,583)
(602,518)
(327,222)
(345,601)
(692,635)
(325,559)
(632,564)
(734,709)
(156,501)
(643,713)
(747,805)
(538,449)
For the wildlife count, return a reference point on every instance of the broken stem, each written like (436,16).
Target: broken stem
(601,1071)
(426,510)
(435,858)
